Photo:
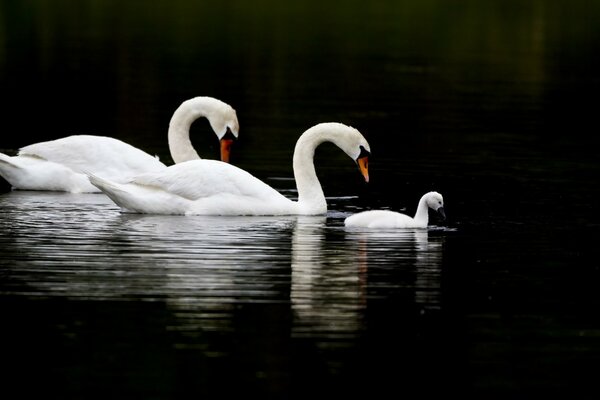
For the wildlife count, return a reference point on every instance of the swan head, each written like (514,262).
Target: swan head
(435,201)
(221,117)
(356,146)
(223,120)
(350,140)
(226,141)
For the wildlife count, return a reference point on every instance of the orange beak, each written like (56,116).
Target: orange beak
(363,164)
(225,149)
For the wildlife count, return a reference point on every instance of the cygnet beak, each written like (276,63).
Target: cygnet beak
(442,212)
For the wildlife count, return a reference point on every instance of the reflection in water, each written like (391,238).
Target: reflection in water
(414,251)
(327,289)
(259,281)
(212,265)
(428,270)
(81,246)
(89,240)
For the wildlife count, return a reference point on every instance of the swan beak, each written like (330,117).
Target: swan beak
(225,149)
(363,164)
(442,212)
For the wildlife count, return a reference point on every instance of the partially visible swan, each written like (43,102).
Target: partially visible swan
(391,219)
(62,164)
(217,188)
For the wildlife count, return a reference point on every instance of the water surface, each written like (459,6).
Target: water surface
(250,299)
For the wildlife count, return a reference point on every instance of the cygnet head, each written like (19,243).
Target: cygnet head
(435,201)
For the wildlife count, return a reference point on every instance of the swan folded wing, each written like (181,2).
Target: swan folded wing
(379,219)
(200,179)
(101,155)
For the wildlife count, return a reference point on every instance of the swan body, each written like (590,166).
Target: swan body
(208,187)
(62,164)
(384,219)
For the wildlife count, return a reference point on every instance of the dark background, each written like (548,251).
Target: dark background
(503,87)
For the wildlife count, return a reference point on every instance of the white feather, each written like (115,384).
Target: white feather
(62,164)
(217,188)
(383,219)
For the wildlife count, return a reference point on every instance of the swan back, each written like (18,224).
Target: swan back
(381,219)
(196,179)
(198,187)
(105,156)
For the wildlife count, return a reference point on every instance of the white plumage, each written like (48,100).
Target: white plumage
(383,219)
(62,164)
(215,188)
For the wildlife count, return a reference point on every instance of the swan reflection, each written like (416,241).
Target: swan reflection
(213,265)
(327,288)
(82,247)
(209,271)
(416,253)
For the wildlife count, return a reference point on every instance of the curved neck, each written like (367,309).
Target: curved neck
(311,199)
(180,144)
(422,214)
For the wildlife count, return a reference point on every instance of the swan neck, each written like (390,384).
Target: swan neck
(422,214)
(311,199)
(180,145)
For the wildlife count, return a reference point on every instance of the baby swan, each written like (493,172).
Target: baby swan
(391,219)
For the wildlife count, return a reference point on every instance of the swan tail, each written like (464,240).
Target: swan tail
(104,185)
(10,170)
(113,190)
(130,197)
(119,194)
(8,161)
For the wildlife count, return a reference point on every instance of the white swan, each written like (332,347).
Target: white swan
(62,164)
(391,219)
(217,188)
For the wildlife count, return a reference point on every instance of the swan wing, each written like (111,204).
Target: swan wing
(379,219)
(101,155)
(199,179)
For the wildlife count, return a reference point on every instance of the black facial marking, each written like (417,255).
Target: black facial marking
(229,135)
(363,152)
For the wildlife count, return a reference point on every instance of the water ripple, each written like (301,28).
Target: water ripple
(203,267)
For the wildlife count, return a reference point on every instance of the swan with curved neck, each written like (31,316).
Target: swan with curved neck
(215,188)
(220,115)
(391,219)
(62,164)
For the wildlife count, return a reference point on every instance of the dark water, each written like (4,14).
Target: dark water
(493,104)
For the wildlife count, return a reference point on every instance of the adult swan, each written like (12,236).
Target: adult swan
(215,188)
(62,164)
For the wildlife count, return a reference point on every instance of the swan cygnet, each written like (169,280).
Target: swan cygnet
(391,219)
(209,187)
(62,164)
